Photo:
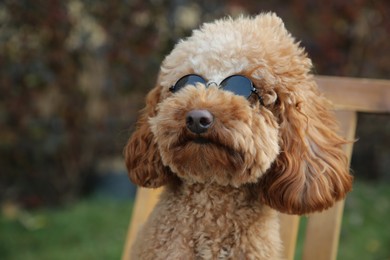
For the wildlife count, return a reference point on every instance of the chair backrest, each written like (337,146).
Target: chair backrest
(349,96)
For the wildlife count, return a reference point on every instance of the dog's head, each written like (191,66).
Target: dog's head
(235,104)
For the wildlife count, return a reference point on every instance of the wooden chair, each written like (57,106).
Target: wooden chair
(350,96)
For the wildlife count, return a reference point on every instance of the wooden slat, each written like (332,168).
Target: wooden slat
(144,203)
(353,94)
(323,229)
(289,225)
(322,234)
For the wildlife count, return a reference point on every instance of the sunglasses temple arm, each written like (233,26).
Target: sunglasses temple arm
(258,95)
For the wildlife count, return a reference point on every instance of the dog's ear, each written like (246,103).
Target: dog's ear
(311,171)
(142,157)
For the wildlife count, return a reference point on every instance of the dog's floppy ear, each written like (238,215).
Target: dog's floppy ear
(143,159)
(311,171)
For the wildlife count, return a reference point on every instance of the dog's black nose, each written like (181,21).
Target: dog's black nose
(198,121)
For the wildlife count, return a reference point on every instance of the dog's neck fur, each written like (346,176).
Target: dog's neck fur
(215,222)
(205,194)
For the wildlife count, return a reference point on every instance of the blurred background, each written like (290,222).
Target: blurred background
(73,75)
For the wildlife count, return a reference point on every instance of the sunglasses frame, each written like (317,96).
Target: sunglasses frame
(253,89)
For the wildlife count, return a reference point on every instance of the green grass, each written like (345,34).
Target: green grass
(90,229)
(96,229)
(366,229)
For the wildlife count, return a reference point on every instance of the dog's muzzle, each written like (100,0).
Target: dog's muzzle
(198,121)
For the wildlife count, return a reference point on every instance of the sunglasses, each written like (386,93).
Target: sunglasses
(239,85)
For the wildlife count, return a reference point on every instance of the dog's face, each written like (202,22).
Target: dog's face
(204,123)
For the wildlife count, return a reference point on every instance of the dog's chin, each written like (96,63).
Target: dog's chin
(204,159)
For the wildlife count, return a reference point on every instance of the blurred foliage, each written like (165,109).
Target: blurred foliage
(42,104)
(73,74)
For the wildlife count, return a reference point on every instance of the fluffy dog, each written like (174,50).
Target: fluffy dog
(235,129)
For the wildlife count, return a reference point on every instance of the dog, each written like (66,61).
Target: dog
(236,131)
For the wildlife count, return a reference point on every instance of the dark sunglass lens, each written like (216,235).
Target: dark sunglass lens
(188,80)
(237,84)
